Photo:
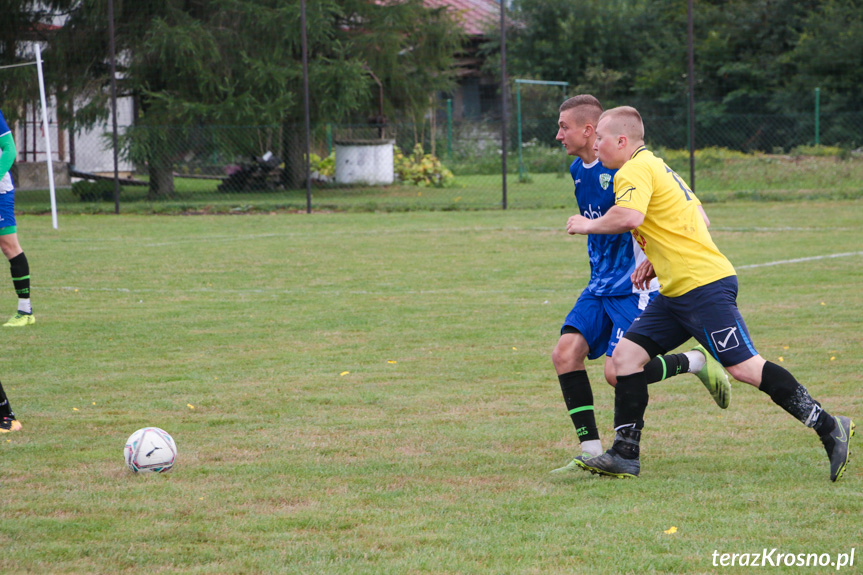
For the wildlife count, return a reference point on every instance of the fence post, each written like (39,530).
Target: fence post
(817,116)
(449,129)
(518,114)
(690,138)
(504,86)
(566,162)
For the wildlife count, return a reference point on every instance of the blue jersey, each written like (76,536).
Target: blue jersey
(6,181)
(613,258)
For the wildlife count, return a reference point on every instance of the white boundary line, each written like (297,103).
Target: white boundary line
(337,290)
(798,260)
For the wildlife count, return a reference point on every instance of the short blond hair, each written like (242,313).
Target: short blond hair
(625,120)
(587,108)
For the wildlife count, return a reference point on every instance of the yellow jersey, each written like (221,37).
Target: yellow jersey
(673,235)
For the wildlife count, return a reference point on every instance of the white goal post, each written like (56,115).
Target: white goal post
(46,129)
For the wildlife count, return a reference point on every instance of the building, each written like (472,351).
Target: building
(477,94)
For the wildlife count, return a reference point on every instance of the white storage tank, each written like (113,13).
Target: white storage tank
(364,162)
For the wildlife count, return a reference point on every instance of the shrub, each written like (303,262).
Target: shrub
(100,190)
(486,159)
(705,158)
(821,151)
(421,169)
(325,167)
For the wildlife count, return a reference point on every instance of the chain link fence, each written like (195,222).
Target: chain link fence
(440,163)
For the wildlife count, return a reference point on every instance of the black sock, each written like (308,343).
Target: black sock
(630,400)
(626,443)
(787,393)
(5,408)
(662,367)
(20,275)
(578,397)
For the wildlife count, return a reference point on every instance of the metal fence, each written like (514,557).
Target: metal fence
(440,163)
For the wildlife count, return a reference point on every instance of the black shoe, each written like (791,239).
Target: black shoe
(612,463)
(836,445)
(8,424)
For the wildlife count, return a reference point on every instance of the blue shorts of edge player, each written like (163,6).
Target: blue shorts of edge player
(708,313)
(7,213)
(603,320)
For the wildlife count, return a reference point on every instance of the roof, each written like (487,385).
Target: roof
(475,15)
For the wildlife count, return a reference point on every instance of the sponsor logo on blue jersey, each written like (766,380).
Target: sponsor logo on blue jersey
(591,213)
(612,257)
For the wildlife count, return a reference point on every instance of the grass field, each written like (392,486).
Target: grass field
(752,177)
(373,393)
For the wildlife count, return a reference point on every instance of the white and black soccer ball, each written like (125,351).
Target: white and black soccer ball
(150,449)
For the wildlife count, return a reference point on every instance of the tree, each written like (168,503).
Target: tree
(595,45)
(749,56)
(237,62)
(23,23)
(409,47)
(829,54)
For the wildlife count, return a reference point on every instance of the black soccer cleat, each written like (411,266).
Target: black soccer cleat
(612,462)
(9,424)
(836,445)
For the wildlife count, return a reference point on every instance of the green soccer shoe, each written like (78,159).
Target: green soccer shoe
(20,320)
(714,378)
(573,465)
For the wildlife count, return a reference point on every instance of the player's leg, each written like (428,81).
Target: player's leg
(630,402)
(786,392)
(7,417)
(20,270)
(623,311)
(721,328)
(655,331)
(583,336)
(696,361)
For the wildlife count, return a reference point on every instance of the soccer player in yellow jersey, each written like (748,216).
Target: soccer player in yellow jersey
(697,298)
(606,307)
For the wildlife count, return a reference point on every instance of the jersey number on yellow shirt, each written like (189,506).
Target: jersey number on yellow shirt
(686,190)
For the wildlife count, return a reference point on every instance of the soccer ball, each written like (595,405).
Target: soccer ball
(150,449)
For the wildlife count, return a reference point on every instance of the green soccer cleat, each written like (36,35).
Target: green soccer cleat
(714,378)
(573,465)
(20,320)
(9,424)
(836,445)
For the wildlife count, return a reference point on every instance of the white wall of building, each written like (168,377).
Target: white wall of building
(93,152)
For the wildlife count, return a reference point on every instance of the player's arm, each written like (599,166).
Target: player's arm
(7,146)
(617,220)
(704,216)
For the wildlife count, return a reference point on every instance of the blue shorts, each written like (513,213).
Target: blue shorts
(708,313)
(603,320)
(7,209)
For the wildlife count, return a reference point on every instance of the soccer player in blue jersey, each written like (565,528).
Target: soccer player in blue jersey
(9,232)
(697,298)
(611,301)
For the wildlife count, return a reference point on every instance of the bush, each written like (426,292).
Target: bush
(704,158)
(98,191)
(325,167)
(821,151)
(421,169)
(486,160)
